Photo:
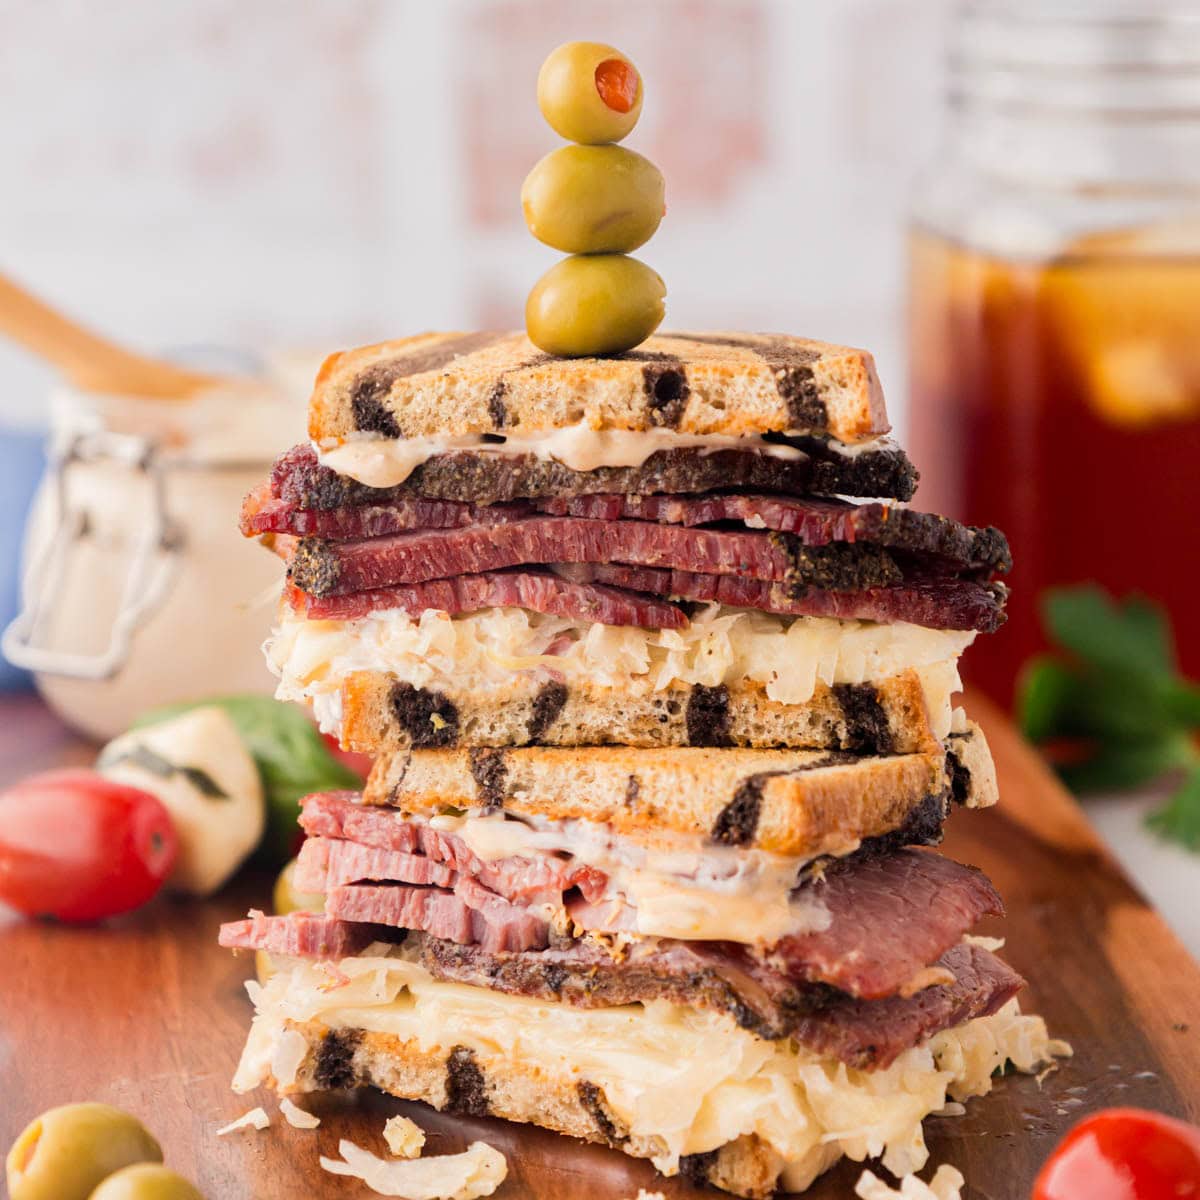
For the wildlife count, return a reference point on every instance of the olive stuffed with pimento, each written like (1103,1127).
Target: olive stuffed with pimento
(596,201)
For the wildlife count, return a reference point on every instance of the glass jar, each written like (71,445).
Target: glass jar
(138,588)
(1055,305)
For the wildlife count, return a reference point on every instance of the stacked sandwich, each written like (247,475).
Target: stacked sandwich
(663,726)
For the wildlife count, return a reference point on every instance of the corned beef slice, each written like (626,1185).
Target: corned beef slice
(298,935)
(538,591)
(328,568)
(570,592)
(335,815)
(936,603)
(326,863)
(871,1033)
(815,522)
(890,914)
(470,914)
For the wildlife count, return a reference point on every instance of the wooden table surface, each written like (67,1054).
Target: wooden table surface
(149,1014)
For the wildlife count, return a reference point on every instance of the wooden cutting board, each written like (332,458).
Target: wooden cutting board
(149,1014)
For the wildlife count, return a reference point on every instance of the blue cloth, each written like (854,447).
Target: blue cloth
(22,460)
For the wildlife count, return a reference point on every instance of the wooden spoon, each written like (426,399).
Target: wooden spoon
(90,362)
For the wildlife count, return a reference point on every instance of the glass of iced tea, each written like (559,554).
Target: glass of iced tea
(1055,306)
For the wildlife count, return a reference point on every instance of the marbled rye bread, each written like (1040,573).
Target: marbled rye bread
(381,713)
(803,803)
(731,384)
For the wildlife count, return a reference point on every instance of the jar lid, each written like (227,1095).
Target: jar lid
(249,422)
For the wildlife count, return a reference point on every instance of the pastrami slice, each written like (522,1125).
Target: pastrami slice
(536,590)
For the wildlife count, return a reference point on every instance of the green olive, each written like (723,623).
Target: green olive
(286,899)
(589,93)
(594,304)
(66,1152)
(593,199)
(146,1181)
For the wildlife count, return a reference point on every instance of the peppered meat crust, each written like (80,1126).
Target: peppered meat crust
(481,478)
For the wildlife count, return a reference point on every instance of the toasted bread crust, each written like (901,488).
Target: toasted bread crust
(452,1078)
(732,384)
(803,803)
(379,714)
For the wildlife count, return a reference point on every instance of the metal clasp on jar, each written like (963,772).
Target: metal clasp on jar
(152,567)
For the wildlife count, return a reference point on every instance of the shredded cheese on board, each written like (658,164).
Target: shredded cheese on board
(477,1171)
(946,1184)
(405,1138)
(296,1116)
(256,1118)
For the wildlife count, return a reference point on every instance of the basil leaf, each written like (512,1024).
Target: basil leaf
(1059,700)
(1132,637)
(290,754)
(1117,766)
(1182,700)
(1046,694)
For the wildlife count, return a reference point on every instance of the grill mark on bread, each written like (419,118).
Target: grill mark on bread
(428,717)
(867,728)
(547,708)
(707,716)
(334,1066)
(593,1100)
(466,1086)
(490,772)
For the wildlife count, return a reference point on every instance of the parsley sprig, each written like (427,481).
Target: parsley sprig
(1113,710)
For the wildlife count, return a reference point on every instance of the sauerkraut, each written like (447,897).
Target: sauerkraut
(480,651)
(690,1078)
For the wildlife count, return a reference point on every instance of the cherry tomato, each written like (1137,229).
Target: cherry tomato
(1124,1154)
(360,764)
(80,847)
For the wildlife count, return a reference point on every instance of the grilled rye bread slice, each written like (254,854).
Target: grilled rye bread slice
(802,803)
(381,713)
(727,384)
